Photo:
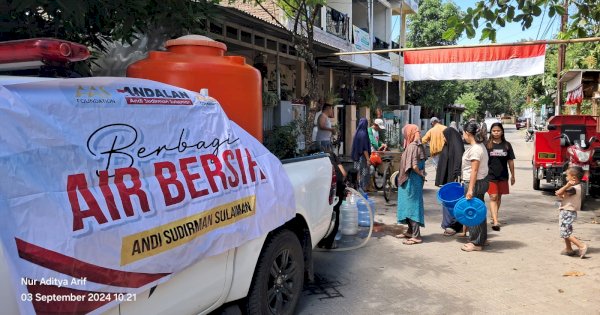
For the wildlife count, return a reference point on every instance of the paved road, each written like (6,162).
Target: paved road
(521,272)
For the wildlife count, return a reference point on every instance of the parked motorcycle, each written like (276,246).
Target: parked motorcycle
(581,154)
(529,134)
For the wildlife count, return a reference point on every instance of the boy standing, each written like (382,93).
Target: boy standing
(570,194)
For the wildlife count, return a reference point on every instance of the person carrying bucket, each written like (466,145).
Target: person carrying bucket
(474,175)
(449,170)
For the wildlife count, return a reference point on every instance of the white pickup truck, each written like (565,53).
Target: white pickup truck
(265,273)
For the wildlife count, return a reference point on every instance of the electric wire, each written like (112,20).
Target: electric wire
(542,22)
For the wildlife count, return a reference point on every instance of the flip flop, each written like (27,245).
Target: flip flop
(412,241)
(582,252)
(470,247)
(449,232)
(402,236)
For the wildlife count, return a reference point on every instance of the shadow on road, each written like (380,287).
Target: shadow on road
(501,246)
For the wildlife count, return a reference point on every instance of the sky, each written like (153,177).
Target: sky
(544,28)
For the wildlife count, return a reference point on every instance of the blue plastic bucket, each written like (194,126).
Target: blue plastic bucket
(470,212)
(450,194)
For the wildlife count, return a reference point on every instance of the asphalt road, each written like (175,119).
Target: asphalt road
(521,272)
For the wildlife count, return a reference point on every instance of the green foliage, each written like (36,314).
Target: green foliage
(426,28)
(368,98)
(270,99)
(472,104)
(282,140)
(302,16)
(294,8)
(433,95)
(584,20)
(92,23)
(332,98)
(431,22)
(586,107)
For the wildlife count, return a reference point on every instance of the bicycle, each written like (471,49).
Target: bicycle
(382,178)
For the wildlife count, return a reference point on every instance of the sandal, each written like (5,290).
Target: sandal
(470,247)
(403,236)
(568,252)
(582,252)
(496,227)
(412,241)
(449,232)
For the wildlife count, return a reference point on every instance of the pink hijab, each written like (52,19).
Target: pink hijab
(410,133)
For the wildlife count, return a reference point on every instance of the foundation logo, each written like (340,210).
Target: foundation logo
(93,95)
(149,96)
(205,100)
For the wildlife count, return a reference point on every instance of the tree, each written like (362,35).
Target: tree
(303,15)
(472,105)
(584,19)
(426,29)
(94,23)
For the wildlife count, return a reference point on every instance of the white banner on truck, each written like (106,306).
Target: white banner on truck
(112,185)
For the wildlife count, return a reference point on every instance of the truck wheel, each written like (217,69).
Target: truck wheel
(536,181)
(279,276)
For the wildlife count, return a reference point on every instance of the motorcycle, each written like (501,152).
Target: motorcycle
(581,154)
(529,134)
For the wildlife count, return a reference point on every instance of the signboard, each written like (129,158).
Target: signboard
(112,185)
(361,39)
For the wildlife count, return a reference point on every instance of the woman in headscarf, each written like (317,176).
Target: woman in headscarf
(410,185)
(448,170)
(361,150)
(454,125)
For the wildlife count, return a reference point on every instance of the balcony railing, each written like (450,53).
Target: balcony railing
(397,46)
(379,44)
(338,23)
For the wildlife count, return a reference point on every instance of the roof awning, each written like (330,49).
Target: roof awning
(572,78)
(575,81)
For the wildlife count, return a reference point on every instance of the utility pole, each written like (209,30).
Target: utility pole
(562,49)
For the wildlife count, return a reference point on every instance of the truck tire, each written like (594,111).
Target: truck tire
(536,181)
(279,276)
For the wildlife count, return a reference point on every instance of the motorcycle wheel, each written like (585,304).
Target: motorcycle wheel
(536,181)
(583,196)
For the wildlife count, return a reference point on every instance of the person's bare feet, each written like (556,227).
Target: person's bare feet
(583,251)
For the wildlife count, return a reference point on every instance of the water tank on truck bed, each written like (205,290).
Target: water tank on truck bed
(195,62)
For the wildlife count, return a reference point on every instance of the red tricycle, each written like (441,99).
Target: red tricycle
(570,140)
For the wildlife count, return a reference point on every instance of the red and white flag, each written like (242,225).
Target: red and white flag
(474,63)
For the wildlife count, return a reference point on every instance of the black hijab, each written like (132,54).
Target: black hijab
(449,165)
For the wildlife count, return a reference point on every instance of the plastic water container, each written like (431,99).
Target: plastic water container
(364,217)
(450,194)
(470,212)
(349,218)
(195,62)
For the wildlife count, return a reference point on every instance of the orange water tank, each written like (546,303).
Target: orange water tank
(195,62)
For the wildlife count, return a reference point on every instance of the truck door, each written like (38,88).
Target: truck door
(194,290)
